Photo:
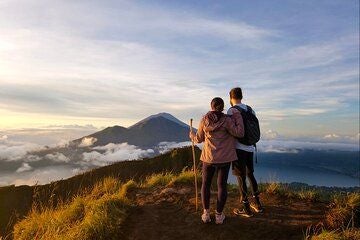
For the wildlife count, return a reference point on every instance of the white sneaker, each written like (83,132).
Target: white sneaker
(219,218)
(205,217)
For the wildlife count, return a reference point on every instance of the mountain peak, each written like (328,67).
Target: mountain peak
(165,115)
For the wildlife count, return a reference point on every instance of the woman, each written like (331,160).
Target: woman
(217,131)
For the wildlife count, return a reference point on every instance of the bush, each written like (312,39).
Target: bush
(349,234)
(309,195)
(185,177)
(344,211)
(161,179)
(97,215)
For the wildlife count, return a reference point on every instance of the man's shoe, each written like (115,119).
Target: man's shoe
(205,217)
(219,218)
(244,212)
(256,206)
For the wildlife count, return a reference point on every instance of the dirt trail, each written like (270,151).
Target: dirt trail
(171,215)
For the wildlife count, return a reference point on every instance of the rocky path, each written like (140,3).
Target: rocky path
(169,214)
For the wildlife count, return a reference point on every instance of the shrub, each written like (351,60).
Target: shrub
(130,185)
(349,234)
(309,195)
(185,177)
(161,179)
(344,211)
(97,215)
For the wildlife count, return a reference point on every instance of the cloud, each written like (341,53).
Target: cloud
(114,153)
(292,146)
(57,157)
(24,167)
(270,134)
(87,142)
(14,151)
(164,147)
(3,138)
(39,176)
(141,49)
(333,137)
(52,135)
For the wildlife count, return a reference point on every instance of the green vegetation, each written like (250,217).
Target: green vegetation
(344,211)
(342,220)
(17,202)
(162,179)
(95,204)
(92,216)
(169,179)
(97,214)
(352,234)
(306,194)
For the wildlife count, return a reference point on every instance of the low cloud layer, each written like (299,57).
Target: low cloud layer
(24,162)
(164,147)
(103,155)
(15,150)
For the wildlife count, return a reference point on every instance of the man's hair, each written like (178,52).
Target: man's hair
(236,93)
(217,104)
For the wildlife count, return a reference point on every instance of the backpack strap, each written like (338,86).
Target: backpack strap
(256,154)
(249,109)
(238,108)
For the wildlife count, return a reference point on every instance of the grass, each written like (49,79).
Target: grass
(92,216)
(349,234)
(96,214)
(344,211)
(309,195)
(20,199)
(161,179)
(185,177)
(342,220)
(99,212)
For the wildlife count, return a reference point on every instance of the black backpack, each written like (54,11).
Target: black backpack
(251,126)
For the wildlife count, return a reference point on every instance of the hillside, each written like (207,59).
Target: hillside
(154,199)
(162,207)
(16,202)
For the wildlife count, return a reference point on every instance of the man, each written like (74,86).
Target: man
(244,166)
(217,130)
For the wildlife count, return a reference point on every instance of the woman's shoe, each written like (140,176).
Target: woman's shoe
(205,217)
(219,218)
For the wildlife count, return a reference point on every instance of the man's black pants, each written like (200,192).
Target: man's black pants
(242,168)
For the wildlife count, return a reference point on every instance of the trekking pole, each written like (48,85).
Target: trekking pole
(195,172)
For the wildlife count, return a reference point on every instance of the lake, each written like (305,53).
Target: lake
(306,175)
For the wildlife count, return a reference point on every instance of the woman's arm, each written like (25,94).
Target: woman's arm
(199,137)
(235,124)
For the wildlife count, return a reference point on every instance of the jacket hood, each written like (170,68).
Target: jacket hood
(213,120)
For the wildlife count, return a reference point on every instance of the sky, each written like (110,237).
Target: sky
(79,66)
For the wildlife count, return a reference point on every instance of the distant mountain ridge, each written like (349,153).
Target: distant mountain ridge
(149,132)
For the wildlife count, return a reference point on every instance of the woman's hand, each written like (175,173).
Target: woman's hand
(235,111)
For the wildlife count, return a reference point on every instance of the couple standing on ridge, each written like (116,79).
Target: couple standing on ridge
(229,139)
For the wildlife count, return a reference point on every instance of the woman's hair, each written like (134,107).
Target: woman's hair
(217,104)
(236,93)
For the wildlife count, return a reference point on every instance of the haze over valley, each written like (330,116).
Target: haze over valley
(329,161)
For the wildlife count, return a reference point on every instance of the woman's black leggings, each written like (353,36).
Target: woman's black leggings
(208,171)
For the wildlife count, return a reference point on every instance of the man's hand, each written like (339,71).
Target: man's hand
(192,136)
